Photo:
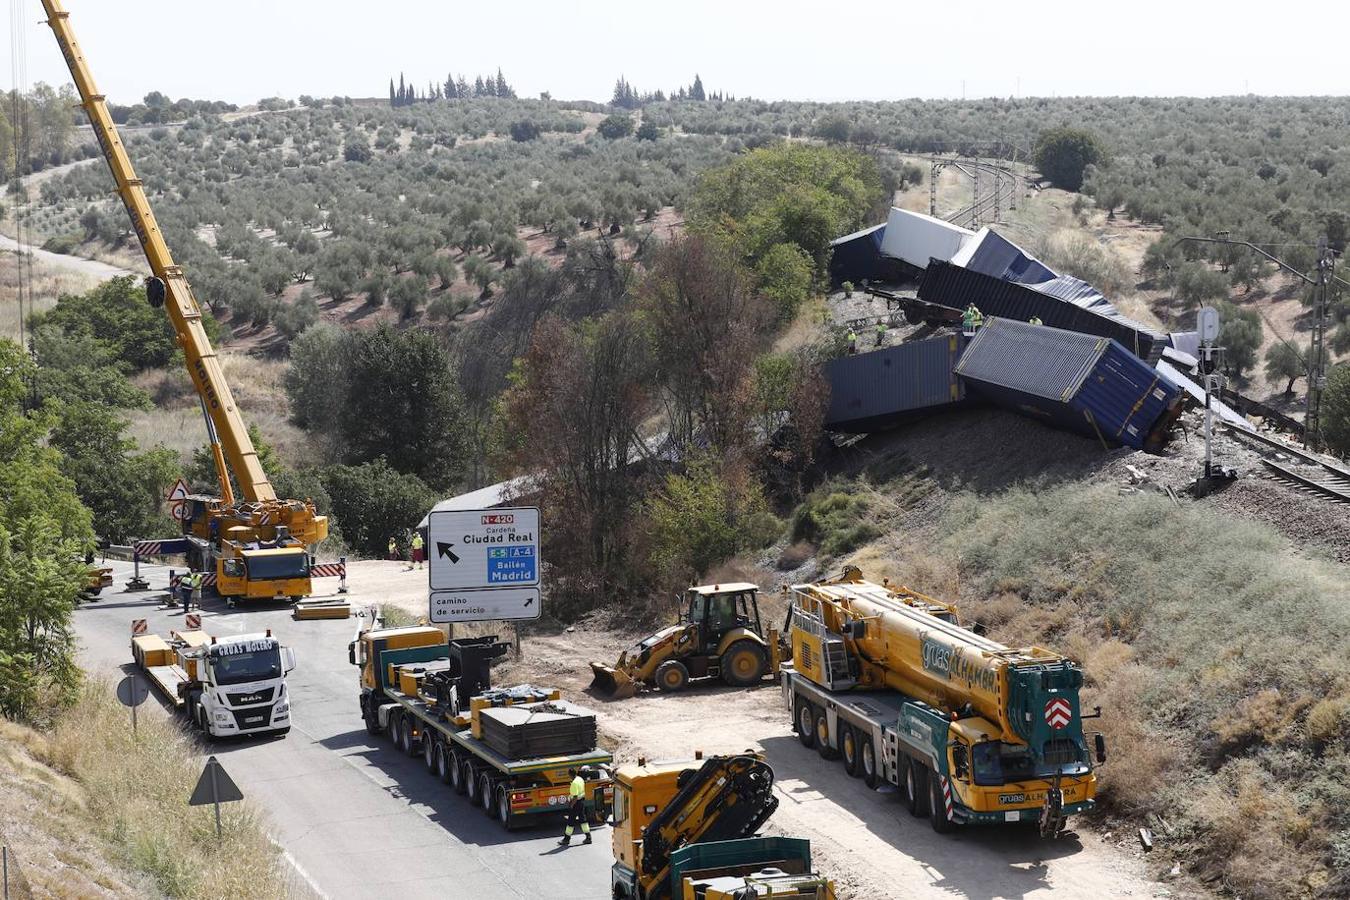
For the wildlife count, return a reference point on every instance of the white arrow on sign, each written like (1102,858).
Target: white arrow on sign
(497,604)
(483,548)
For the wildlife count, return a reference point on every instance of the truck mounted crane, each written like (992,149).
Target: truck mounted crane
(969,730)
(255,546)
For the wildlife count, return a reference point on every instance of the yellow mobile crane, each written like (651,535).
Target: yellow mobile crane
(255,547)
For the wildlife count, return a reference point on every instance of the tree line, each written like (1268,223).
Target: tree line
(453,88)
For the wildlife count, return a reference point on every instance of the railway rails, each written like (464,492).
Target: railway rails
(1319,476)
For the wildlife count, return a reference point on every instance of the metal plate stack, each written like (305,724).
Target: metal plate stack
(528,731)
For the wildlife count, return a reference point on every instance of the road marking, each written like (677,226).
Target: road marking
(299,869)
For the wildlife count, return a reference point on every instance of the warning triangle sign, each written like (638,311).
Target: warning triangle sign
(214,786)
(179,491)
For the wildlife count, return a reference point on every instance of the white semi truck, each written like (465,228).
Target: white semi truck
(227,686)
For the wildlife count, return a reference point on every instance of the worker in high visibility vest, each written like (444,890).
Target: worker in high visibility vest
(881,332)
(194,591)
(971,319)
(852,341)
(1035,320)
(393,548)
(576,811)
(416,550)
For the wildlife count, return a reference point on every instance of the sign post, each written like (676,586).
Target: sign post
(215,787)
(131,691)
(483,565)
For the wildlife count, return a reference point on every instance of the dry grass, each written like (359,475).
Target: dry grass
(90,812)
(48,284)
(135,792)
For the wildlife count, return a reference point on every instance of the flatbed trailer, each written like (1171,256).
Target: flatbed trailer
(516,792)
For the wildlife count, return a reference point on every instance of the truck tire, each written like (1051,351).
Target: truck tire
(504,808)
(395,720)
(823,737)
(744,664)
(371,714)
(442,763)
(867,763)
(671,676)
(915,783)
(406,742)
(458,773)
(805,723)
(470,783)
(486,793)
(937,805)
(429,743)
(848,749)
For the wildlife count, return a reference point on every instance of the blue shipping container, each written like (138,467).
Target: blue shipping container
(876,390)
(1091,385)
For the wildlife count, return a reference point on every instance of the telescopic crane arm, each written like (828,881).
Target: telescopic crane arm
(184,311)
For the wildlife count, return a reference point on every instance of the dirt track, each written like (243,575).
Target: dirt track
(864,839)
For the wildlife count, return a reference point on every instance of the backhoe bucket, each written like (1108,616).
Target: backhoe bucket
(615,684)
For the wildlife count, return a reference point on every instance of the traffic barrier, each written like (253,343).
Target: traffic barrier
(332,570)
(138,626)
(192,621)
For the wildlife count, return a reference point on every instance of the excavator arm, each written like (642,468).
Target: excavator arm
(169,285)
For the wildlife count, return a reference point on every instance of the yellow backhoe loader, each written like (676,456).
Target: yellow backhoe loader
(718,635)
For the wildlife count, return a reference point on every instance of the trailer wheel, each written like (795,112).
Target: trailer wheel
(395,720)
(671,676)
(504,809)
(937,805)
(458,773)
(429,744)
(470,783)
(867,756)
(823,737)
(485,793)
(744,664)
(442,763)
(916,788)
(406,742)
(806,724)
(848,748)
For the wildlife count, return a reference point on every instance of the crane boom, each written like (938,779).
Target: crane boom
(184,312)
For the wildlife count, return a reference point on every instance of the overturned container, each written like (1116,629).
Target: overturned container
(876,390)
(1091,385)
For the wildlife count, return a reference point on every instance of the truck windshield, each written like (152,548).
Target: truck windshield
(236,668)
(997,763)
(280,565)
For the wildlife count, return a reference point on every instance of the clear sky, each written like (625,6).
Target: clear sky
(242,50)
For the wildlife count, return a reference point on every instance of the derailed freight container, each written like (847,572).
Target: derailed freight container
(952,286)
(1078,382)
(872,391)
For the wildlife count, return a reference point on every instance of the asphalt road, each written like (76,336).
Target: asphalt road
(356,817)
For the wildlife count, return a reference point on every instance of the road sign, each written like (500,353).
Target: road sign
(192,620)
(484,605)
(132,691)
(179,510)
(137,627)
(179,491)
(214,787)
(1058,712)
(483,548)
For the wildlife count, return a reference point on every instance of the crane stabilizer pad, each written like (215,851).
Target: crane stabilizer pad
(322,609)
(532,730)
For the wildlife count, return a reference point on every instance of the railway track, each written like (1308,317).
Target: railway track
(1314,474)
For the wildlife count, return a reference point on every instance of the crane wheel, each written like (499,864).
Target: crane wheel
(823,737)
(937,806)
(806,724)
(867,763)
(916,787)
(848,748)
(671,676)
(744,664)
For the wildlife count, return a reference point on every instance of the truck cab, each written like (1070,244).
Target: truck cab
(228,686)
